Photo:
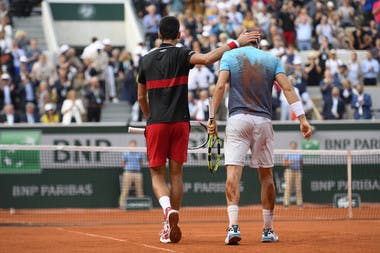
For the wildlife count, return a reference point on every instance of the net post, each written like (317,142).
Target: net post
(349,183)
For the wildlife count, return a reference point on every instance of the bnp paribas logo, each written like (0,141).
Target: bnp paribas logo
(86,11)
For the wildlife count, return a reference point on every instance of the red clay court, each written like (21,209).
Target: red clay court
(203,231)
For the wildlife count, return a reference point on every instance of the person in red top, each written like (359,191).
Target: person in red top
(162,96)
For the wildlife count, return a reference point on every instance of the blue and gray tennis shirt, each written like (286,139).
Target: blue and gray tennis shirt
(252,73)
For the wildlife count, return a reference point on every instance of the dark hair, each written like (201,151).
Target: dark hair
(169,27)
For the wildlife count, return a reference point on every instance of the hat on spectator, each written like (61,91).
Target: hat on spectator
(297,61)
(23,58)
(107,42)
(330,4)
(64,48)
(5,76)
(205,34)
(49,107)
(264,43)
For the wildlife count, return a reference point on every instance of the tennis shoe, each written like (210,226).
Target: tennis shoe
(233,235)
(171,231)
(269,235)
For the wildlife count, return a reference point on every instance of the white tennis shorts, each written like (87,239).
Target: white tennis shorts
(248,132)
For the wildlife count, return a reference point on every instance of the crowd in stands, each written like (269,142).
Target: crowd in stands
(289,28)
(72,87)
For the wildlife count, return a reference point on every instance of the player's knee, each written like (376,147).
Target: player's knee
(230,190)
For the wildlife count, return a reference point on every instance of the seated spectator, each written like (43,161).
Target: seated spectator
(50,116)
(361,103)
(333,106)
(72,109)
(9,116)
(31,115)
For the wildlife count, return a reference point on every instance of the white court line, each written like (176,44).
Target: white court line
(116,239)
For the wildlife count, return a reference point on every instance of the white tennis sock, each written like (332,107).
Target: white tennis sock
(268,218)
(164,202)
(233,214)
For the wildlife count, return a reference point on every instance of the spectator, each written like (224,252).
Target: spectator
(109,72)
(325,29)
(33,52)
(278,49)
(361,103)
(150,22)
(333,106)
(313,70)
(131,165)
(304,30)
(43,96)
(127,75)
(333,62)
(354,69)
(192,105)
(31,115)
(43,70)
(9,116)
(224,27)
(202,106)
(50,116)
(8,94)
(293,164)
(370,69)
(346,14)
(287,17)
(72,109)
(95,99)
(200,78)
(326,85)
(346,95)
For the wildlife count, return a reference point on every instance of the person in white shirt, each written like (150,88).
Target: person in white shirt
(72,109)
(333,62)
(200,78)
(370,69)
(354,70)
(201,107)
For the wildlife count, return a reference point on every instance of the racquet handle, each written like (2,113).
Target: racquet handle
(136,130)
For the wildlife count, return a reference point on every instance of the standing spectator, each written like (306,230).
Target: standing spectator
(202,106)
(200,78)
(72,109)
(8,94)
(304,29)
(287,17)
(354,69)
(367,7)
(138,53)
(376,14)
(9,116)
(326,85)
(192,105)
(313,70)
(278,49)
(31,115)
(346,14)
(61,88)
(370,69)
(43,96)
(323,53)
(346,95)
(50,116)
(333,106)
(293,164)
(361,103)
(235,17)
(33,53)
(109,72)
(333,62)
(43,70)
(224,27)
(325,29)
(127,77)
(150,23)
(95,99)
(131,165)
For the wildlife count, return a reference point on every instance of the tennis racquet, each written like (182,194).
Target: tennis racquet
(198,137)
(212,138)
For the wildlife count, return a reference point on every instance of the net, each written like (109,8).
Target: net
(80,185)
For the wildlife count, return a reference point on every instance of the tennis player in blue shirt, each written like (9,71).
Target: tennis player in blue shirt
(251,73)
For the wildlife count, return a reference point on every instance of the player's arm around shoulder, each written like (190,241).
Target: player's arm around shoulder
(244,39)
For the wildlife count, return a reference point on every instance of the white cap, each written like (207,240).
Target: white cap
(23,58)
(297,60)
(206,34)
(49,106)
(64,48)
(330,4)
(98,45)
(264,43)
(107,41)
(5,76)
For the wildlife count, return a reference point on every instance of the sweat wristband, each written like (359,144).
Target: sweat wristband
(233,44)
(297,108)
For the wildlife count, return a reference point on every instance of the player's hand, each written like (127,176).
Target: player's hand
(246,38)
(306,129)
(211,127)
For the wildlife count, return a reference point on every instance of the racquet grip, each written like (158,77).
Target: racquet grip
(211,111)
(136,130)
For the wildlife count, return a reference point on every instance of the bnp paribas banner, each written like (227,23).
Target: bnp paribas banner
(20,161)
